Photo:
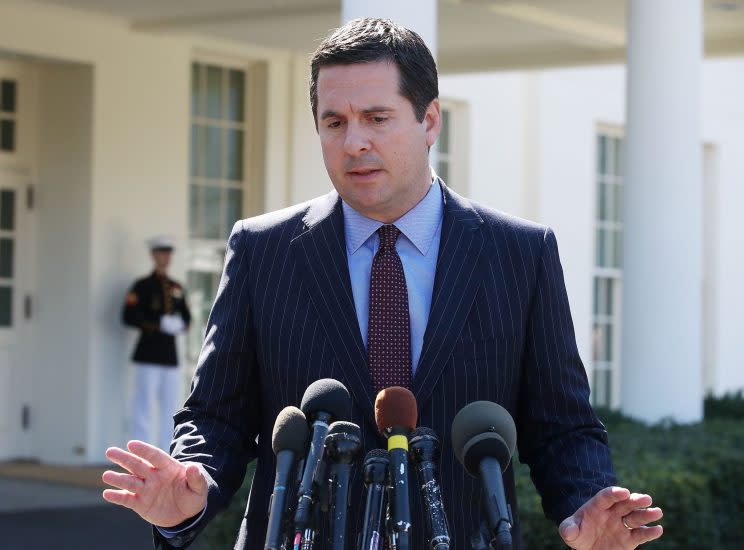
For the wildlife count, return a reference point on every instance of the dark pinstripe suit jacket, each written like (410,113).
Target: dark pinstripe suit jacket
(499,329)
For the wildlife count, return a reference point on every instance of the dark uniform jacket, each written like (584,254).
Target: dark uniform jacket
(150,298)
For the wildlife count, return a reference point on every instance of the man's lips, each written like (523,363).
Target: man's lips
(363,170)
(363,173)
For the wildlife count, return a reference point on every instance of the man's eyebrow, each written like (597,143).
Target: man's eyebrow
(370,110)
(377,109)
(329,114)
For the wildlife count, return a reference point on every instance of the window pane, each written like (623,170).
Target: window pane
(619,156)
(609,247)
(444,135)
(7,210)
(602,206)
(212,152)
(6,257)
(210,213)
(194,201)
(197,146)
(6,306)
(597,341)
(602,157)
(196,89)
(233,209)
(600,248)
(618,259)
(8,96)
(607,333)
(618,200)
(7,135)
(234,144)
(597,282)
(608,304)
(236,95)
(214,92)
(601,387)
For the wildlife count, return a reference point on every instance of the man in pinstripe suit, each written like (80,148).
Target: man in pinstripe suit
(488,310)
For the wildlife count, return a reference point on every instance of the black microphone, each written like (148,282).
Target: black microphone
(375,479)
(343,445)
(395,415)
(425,454)
(324,401)
(483,439)
(288,441)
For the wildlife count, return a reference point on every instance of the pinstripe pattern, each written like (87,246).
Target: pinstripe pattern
(499,329)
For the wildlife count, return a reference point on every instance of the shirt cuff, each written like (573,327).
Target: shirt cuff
(172,532)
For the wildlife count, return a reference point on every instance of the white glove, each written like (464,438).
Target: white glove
(172,324)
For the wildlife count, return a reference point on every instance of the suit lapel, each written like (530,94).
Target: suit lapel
(320,251)
(456,282)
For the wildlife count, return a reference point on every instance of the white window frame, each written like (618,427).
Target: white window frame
(613,273)
(457,156)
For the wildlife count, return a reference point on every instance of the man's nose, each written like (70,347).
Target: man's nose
(357,140)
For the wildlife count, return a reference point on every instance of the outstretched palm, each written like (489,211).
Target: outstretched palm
(598,524)
(160,489)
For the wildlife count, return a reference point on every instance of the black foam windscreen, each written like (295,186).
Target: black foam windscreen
(290,431)
(482,417)
(422,431)
(341,426)
(375,454)
(326,395)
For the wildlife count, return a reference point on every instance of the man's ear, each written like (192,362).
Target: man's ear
(432,122)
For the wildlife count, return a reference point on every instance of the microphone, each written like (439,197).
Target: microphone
(425,454)
(395,415)
(343,445)
(375,479)
(288,442)
(324,401)
(483,439)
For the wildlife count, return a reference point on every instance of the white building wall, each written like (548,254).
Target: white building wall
(308,174)
(60,342)
(550,175)
(723,128)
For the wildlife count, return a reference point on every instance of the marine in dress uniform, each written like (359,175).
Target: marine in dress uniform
(156,305)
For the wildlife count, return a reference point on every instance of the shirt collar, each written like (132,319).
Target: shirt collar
(419,224)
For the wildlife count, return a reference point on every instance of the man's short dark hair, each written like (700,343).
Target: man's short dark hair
(369,39)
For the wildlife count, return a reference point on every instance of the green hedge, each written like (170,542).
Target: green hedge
(694,472)
(730,405)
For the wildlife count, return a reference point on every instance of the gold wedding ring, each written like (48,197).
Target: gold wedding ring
(628,527)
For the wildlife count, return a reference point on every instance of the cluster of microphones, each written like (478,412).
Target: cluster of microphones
(316,448)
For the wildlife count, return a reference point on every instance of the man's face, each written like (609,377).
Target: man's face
(375,151)
(161,258)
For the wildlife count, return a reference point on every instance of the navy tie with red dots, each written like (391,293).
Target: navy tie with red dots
(389,328)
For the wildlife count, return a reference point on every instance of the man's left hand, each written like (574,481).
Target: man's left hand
(613,518)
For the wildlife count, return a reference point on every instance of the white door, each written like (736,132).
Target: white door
(16,258)
(15,313)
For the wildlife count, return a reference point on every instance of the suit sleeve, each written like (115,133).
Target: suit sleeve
(559,436)
(219,422)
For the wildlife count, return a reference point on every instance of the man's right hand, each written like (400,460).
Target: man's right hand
(164,491)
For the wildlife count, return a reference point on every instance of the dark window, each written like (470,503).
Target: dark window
(7,135)
(7,96)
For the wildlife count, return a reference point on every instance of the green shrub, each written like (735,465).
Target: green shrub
(730,405)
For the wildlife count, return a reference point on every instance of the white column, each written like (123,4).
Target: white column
(419,16)
(662,372)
